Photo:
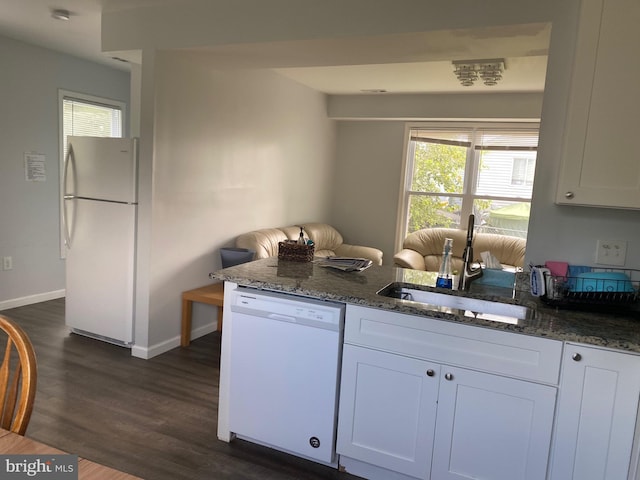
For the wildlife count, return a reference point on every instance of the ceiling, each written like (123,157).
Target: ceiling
(409,63)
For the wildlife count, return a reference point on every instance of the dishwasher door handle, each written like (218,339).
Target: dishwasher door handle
(282,318)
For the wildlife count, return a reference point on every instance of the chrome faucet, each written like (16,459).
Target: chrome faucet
(469,274)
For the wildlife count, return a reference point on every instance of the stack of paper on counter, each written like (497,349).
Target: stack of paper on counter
(345,264)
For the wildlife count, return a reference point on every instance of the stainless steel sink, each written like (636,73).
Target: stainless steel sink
(459,304)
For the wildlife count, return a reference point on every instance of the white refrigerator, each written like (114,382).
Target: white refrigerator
(100,198)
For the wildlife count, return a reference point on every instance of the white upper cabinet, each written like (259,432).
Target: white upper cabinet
(601,160)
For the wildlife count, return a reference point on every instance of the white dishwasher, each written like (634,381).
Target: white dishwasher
(284,372)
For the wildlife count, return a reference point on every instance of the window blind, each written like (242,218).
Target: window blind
(84,118)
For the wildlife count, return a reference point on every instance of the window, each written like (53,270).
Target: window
(86,115)
(523,169)
(90,116)
(454,170)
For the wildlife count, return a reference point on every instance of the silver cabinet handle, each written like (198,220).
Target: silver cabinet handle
(577,357)
(430,373)
(568,195)
(448,376)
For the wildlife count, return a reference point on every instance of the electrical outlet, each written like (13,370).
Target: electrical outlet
(611,252)
(7,263)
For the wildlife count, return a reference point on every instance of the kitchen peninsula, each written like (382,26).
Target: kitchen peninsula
(359,288)
(429,392)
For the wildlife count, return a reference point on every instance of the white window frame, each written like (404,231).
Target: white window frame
(471,169)
(528,173)
(81,97)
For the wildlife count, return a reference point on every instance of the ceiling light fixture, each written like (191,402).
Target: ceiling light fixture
(489,71)
(60,14)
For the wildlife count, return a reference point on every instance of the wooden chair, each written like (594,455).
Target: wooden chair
(18,374)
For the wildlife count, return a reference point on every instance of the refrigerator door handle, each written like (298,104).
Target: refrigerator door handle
(65,220)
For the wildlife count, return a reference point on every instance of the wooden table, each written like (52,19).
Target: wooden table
(12,443)
(210,294)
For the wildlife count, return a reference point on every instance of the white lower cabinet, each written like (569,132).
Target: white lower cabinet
(388,410)
(491,427)
(422,398)
(597,411)
(426,420)
(433,400)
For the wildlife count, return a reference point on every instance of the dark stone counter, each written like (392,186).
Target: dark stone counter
(612,330)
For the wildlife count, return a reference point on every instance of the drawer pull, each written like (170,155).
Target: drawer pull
(577,357)
(430,373)
(448,376)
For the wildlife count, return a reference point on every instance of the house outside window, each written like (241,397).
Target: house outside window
(523,170)
(453,170)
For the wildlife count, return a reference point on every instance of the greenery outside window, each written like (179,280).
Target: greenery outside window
(456,169)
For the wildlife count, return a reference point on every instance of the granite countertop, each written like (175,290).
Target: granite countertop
(612,330)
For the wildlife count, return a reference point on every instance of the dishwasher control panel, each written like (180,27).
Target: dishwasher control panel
(288,308)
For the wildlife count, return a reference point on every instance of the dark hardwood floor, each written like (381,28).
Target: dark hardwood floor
(156,418)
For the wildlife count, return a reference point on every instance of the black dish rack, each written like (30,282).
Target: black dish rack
(597,289)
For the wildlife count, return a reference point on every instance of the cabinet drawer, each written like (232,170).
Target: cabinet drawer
(479,348)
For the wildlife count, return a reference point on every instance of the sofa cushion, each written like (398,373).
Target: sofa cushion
(324,236)
(328,242)
(264,242)
(428,244)
(508,250)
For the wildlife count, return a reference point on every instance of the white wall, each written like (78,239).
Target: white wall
(29,211)
(490,106)
(206,23)
(234,151)
(369,166)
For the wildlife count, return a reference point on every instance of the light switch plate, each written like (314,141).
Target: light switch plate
(611,252)
(7,263)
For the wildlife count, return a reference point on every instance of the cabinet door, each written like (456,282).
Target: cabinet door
(387,410)
(599,161)
(492,427)
(596,414)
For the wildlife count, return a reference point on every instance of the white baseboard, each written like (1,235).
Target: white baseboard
(366,470)
(31,299)
(162,347)
(136,351)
